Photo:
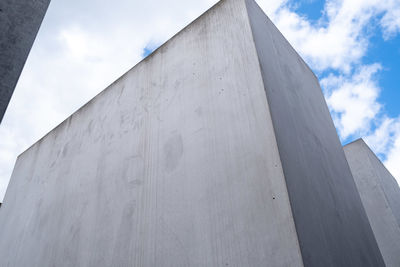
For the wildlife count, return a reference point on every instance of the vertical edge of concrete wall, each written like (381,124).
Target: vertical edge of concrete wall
(331,223)
(19,23)
(175,164)
(369,179)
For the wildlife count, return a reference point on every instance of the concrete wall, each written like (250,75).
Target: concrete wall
(389,184)
(331,223)
(175,164)
(19,23)
(373,180)
(216,150)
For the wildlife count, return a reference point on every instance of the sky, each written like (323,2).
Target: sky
(353,46)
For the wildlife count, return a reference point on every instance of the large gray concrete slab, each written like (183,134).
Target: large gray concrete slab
(19,23)
(331,223)
(378,189)
(192,158)
(175,164)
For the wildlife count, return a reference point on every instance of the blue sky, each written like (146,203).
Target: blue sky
(148,49)
(353,46)
(312,9)
(387,52)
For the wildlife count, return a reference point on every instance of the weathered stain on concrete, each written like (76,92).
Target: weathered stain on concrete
(380,195)
(175,164)
(173,150)
(19,23)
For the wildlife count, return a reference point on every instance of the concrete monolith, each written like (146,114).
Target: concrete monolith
(380,195)
(216,150)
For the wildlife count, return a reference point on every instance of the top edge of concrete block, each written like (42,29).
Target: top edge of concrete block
(142,61)
(361,142)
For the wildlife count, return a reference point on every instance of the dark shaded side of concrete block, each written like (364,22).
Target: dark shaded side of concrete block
(331,223)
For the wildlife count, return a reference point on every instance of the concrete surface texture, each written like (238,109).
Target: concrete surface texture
(380,195)
(19,23)
(179,163)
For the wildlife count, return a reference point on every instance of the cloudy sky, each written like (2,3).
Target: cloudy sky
(353,46)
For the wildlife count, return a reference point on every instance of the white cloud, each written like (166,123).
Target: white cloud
(385,140)
(353,100)
(381,139)
(393,157)
(390,21)
(340,38)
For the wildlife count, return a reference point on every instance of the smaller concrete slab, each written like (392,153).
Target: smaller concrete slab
(380,195)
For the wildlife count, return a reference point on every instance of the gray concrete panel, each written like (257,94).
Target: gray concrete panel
(175,164)
(19,23)
(331,223)
(371,177)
